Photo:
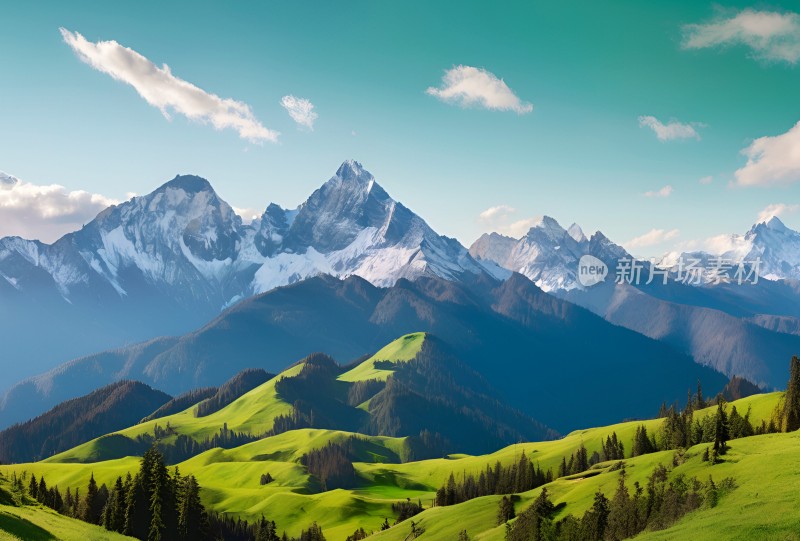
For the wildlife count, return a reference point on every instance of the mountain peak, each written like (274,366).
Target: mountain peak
(576,233)
(189,184)
(6,180)
(547,225)
(352,170)
(775,224)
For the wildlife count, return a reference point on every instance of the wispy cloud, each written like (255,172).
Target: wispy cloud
(500,219)
(706,180)
(770,35)
(518,228)
(45,212)
(500,211)
(777,209)
(161,89)
(301,110)
(671,130)
(666,191)
(772,160)
(652,238)
(475,87)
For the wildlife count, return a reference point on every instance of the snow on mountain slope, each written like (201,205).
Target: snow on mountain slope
(776,246)
(548,254)
(180,255)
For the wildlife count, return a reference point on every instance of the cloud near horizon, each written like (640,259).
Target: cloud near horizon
(770,35)
(499,211)
(45,212)
(468,86)
(777,210)
(169,94)
(498,219)
(651,238)
(670,131)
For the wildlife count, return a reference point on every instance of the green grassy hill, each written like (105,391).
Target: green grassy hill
(763,507)
(22,519)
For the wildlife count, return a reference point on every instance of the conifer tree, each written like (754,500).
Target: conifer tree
(91,510)
(33,488)
(192,517)
(791,408)
(505,511)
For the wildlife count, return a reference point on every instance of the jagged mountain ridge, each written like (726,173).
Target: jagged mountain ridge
(771,242)
(738,330)
(167,262)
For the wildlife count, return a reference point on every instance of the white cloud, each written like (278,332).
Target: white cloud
(45,212)
(706,180)
(161,89)
(666,191)
(301,110)
(772,160)
(769,35)
(518,228)
(776,209)
(498,218)
(651,238)
(468,86)
(671,130)
(247,214)
(500,211)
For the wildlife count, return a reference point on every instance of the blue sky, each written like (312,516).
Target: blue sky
(604,79)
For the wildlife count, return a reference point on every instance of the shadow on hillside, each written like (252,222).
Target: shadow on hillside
(23,528)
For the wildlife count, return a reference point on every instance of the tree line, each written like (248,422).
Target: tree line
(656,506)
(154,504)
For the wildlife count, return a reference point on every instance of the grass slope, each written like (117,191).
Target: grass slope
(404,349)
(22,519)
(253,412)
(764,467)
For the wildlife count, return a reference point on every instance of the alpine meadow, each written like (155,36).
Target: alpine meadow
(559,299)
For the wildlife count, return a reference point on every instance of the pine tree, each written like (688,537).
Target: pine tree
(791,408)
(622,519)
(700,401)
(137,509)
(505,511)
(91,510)
(542,505)
(41,493)
(711,496)
(595,520)
(33,488)
(721,433)
(192,518)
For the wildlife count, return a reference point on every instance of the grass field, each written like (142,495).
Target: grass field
(22,519)
(762,508)
(403,349)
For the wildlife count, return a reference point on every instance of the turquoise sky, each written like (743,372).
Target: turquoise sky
(589,68)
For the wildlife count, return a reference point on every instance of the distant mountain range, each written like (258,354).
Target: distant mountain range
(743,330)
(545,356)
(153,271)
(166,262)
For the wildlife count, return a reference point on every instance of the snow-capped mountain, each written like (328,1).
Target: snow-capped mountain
(548,254)
(171,260)
(775,246)
(738,330)
(351,226)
